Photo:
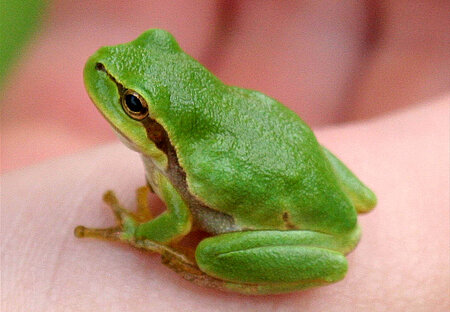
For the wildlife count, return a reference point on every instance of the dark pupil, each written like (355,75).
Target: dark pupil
(133,103)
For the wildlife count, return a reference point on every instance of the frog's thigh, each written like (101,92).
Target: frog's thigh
(272,257)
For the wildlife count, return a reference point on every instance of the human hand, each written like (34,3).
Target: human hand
(400,264)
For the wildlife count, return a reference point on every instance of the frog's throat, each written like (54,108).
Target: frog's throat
(205,217)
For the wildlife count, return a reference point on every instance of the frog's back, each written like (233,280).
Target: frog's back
(245,153)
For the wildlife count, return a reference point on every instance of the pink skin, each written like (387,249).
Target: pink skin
(326,73)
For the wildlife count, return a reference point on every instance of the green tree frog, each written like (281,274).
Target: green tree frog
(280,209)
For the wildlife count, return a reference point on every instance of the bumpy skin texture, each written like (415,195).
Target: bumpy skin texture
(243,154)
(227,138)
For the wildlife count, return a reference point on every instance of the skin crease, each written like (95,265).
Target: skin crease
(402,260)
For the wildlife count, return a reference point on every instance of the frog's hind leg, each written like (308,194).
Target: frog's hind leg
(260,262)
(185,265)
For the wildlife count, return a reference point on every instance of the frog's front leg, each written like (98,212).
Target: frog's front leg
(132,227)
(258,262)
(156,235)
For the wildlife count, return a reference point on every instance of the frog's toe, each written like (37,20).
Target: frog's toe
(119,212)
(124,231)
(143,213)
(112,233)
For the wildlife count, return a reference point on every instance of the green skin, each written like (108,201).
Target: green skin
(280,208)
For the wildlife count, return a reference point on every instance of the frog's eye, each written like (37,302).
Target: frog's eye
(134,105)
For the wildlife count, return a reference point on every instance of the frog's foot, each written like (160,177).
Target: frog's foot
(126,220)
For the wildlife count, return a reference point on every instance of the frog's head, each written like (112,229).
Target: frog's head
(123,81)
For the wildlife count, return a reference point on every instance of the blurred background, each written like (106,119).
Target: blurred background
(329,61)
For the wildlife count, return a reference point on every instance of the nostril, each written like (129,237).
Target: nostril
(100,66)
